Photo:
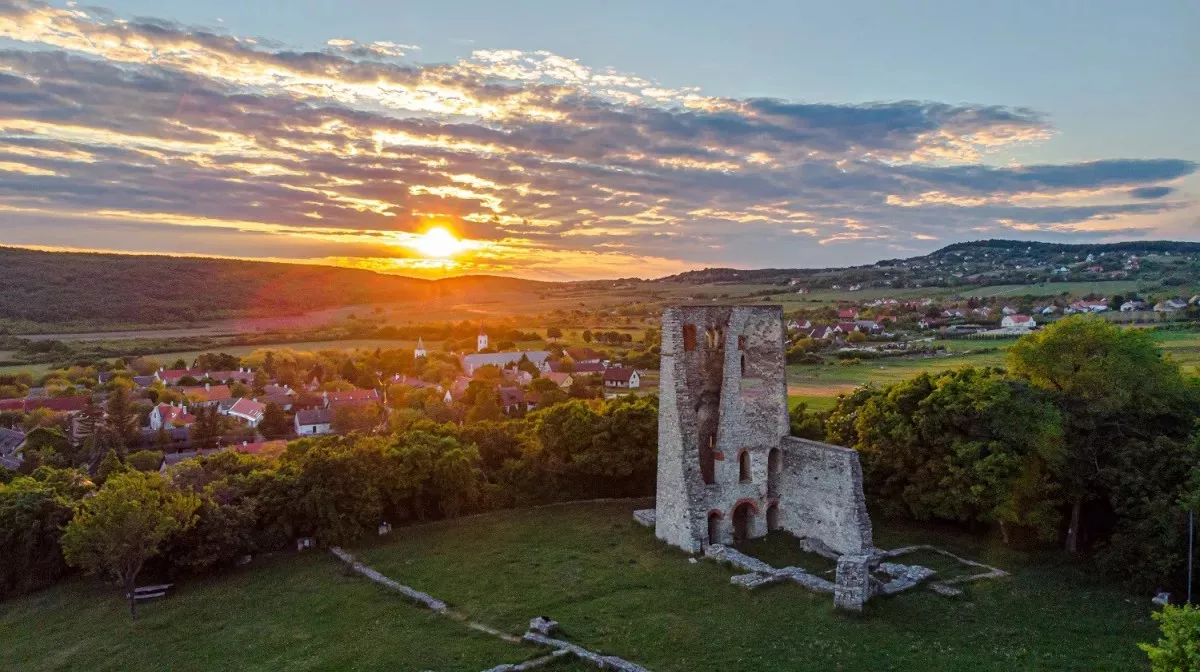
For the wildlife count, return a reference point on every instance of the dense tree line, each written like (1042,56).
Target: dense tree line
(333,489)
(1088,436)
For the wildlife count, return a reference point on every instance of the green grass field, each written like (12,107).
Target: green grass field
(612,586)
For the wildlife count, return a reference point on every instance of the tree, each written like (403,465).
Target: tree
(554,333)
(274,424)
(857,337)
(362,417)
(145,460)
(1178,650)
(125,525)
(120,423)
(587,336)
(485,408)
(206,430)
(33,511)
(109,466)
(1115,392)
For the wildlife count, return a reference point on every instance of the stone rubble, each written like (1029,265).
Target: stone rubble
(530,664)
(601,661)
(904,577)
(645,517)
(945,590)
(722,553)
(543,625)
(414,595)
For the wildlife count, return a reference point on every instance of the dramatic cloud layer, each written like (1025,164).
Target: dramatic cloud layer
(145,135)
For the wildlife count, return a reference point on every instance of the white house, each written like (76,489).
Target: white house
(621,377)
(315,422)
(248,411)
(169,414)
(1017,322)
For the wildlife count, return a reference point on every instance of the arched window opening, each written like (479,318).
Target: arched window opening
(744,467)
(714,527)
(773,518)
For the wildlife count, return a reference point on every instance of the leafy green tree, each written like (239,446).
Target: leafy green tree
(126,524)
(145,460)
(587,335)
(485,408)
(274,424)
(206,430)
(968,445)
(554,333)
(807,424)
(1116,392)
(363,417)
(1178,649)
(110,466)
(32,515)
(120,421)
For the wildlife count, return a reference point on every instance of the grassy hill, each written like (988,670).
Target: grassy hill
(64,288)
(611,585)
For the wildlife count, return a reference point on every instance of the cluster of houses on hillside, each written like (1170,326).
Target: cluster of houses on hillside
(313,408)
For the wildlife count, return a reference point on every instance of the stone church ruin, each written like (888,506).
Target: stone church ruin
(729,471)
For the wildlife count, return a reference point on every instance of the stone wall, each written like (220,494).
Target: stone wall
(823,498)
(722,392)
(723,423)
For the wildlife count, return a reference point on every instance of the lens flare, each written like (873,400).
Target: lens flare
(437,242)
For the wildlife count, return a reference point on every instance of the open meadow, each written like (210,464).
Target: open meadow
(612,586)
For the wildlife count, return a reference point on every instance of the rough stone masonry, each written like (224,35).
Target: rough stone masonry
(727,468)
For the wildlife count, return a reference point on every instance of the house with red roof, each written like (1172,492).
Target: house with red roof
(355,396)
(207,394)
(170,415)
(1017,322)
(248,411)
(847,314)
(173,376)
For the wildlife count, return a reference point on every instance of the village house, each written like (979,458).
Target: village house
(173,376)
(350,397)
(314,422)
(517,376)
(563,380)
(241,375)
(170,415)
(1017,322)
(501,360)
(1130,306)
(512,400)
(207,394)
(248,411)
(619,377)
(11,442)
(847,314)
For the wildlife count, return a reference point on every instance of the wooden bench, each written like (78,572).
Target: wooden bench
(150,592)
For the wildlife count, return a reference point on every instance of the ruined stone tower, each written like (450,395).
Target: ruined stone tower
(727,469)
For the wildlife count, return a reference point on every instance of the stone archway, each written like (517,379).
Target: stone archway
(714,527)
(743,521)
(773,517)
(774,466)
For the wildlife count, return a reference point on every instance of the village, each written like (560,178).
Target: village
(183,412)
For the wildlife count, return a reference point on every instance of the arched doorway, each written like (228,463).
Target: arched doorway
(773,517)
(714,527)
(744,467)
(774,466)
(743,521)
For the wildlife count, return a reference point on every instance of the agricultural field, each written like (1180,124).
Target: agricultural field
(611,585)
(819,385)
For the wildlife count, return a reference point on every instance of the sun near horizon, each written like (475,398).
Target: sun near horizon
(438,242)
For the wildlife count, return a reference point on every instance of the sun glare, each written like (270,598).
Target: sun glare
(437,242)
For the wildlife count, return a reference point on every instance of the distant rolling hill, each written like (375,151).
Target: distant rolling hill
(68,288)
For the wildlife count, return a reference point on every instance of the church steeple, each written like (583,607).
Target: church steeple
(481,341)
(420,351)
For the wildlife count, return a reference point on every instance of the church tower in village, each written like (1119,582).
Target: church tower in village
(481,341)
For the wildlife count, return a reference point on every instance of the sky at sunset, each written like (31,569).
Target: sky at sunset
(557,140)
